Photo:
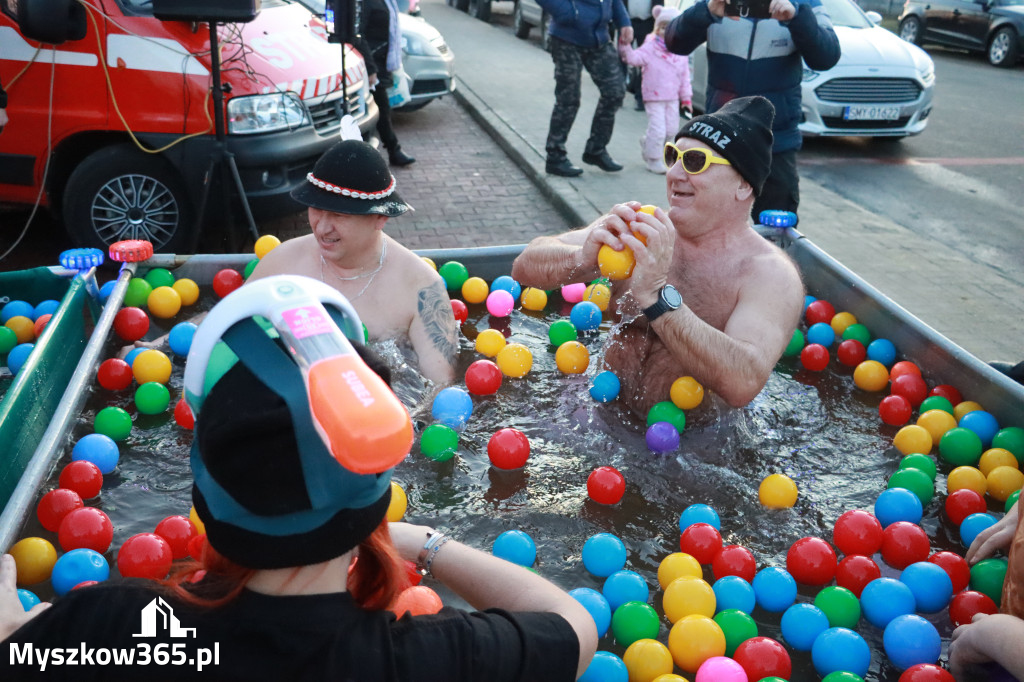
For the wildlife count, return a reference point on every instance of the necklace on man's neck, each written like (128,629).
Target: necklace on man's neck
(372,274)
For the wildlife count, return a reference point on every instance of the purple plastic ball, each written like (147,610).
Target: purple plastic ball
(662,437)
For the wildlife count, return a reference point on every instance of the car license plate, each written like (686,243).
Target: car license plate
(871,113)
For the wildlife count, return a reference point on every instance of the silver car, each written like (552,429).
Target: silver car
(427,60)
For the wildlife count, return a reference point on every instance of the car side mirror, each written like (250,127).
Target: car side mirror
(48,21)
(874,17)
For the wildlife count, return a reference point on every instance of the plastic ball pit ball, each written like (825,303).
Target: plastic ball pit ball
(15,308)
(183,416)
(962,503)
(573,293)
(515,360)
(23,327)
(903,544)
(840,649)
(686,393)
(615,265)
(534,299)
(603,554)
(633,621)
(734,592)
(721,669)
(814,357)
(662,437)
(967,477)
(916,481)
(47,307)
(686,596)
(452,407)
(459,311)
(926,672)
(921,463)
(795,345)
(114,423)
(1010,438)
(188,290)
(624,586)
(99,448)
(152,398)
(937,402)
(960,447)
(85,527)
(483,378)
(839,605)
(666,411)
(131,324)
(910,386)
(811,561)
(418,600)
(973,525)
(226,281)
(399,503)
(948,392)
(851,352)
(585,316)
(895,410)
(801,625)
(164,302)
(693,640)
(152,365)
(572,357)
(8,340)
(898,504)
(855,572)
(913,439)
(931,585)
(1003,481)
(647,659)
(605,667)
(777,491)
(734,560)
(562,331)
(983,424)
(882,351)
(489,342)
(871,375)
(475,290)
(137,293)
(987,577)
(737,627)
(605,387)
(955,567)
(76,567)
(508,449)
(884,599)
(144,555)
(821,334)
(965,605)
(676,565)
(606,485)
(840,322)
(599,294)
(180,338)
(819,311)
(439,442)
(507,283)
(596,605)
(763,657)
(500,303)
(17,358)
(965,407)
(265,245)
(702,541)
(515,546)
(84,477)
(55,505)
(910,639)
(996,457)
(857,532)
(842,676)
(699,513)
(775,589)
(34,559)
(40,325)
(178,531)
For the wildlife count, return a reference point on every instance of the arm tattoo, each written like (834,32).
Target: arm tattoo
(436,312)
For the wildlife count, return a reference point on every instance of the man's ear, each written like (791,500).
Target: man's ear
(380,222)
(744,191)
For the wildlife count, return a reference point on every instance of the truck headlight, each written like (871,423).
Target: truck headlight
(265,113)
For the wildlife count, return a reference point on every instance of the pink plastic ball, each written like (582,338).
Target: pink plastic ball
(721,669)
(573,293)
(500,303)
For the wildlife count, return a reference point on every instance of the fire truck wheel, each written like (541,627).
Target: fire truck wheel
(121,193)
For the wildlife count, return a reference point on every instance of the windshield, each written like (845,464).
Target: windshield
(146,6)
(1009,3)
(845,13)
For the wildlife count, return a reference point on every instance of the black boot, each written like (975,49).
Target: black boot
(562,167)
(399,158)
(602,160)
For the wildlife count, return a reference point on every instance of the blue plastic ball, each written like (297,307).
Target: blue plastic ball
(47,307)
(662,437)
(885,598)
(821,332)
(516,546)
(974,524)
(605,667)
(180,338)
(99,449)
(508,284)
(898,504)
(603,554)
(801,625)
(623,586)
(452,407)
(585,316)
(605,387)
(77,566)
(775,589)
(883,351)
(28,599)
(596,605)
(840,649)
(982,423)
(910,639)
(931,585)
(699,513)
(18,356)
(16,309)
(808,299)
(132,354)
(733,592)
(106,290)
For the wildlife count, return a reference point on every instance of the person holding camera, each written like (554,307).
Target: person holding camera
(755,47)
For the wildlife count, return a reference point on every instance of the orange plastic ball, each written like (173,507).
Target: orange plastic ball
(23,328)
(937,422)
(164,302)
(871,375)
(686,393)
(676,565)
(1003,481)
(187,289)
(572,357)
(966,477)
(418,600)
(475,290)
(40,324)
(490,342)
(913,439)
(151,365)
(996,457)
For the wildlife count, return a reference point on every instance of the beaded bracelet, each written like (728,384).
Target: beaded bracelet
(430,549)
(433,553)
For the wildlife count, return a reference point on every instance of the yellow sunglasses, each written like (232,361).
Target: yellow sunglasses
(695,159)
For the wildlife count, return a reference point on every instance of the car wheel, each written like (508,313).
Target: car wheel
(911,30)
(480,9)
(1002,49)
(545,36)
(519,25)
(120,193)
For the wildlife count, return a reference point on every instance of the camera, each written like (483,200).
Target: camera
(749,9)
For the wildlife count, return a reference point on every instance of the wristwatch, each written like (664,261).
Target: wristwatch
(669,299)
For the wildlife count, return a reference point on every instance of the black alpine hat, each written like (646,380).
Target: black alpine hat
(351,178)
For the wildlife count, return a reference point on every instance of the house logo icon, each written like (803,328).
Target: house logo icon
(158,616)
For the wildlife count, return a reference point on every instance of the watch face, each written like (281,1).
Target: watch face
(672,296)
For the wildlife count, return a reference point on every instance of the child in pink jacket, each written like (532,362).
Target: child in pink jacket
(665,85)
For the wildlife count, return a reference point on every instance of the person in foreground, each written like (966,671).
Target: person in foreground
(708,297)
(351,195)
(300,564)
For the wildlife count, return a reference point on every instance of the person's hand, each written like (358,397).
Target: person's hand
(781,10)
(12,614)
(373,80)
(626,35)
(717,8)
(408,538)
(994,538)
(653,259)
(3,118)
(608,230)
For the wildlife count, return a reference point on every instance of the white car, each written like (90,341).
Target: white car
(427,60)
(881,87)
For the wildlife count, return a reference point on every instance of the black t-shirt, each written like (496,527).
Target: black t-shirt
(256,636)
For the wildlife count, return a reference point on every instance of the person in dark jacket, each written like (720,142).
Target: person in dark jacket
(3,107)
(762,57)
(580,39)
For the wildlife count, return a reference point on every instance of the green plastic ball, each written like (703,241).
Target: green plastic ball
(840,605)
(439,442)
(795,345)
(561,331)
(921,463)
(249,267)
(773,678)
(737,627)
(152,397)
(634,620)
(935,402)
(113,422)
(1011,500)
(987,577)
(916,481)
(454,274)
(666,411)
(842,676)
(138,293)
(8,340)
(160,277)
(366,334)
(960,447)
(1011,438)
(858,332)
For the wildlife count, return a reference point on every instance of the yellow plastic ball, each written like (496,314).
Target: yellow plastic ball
(23,328)
(399,503)
(598,294)
(937,422)
(265,245)
(475,290)
(686,393)
(840,321)
(677,565)
(34,559)
(670,677)
(514,360)
(966,477)
(188,290)
(962,408)
(777,491)
(871,375)
(490,342)
(646,660)
(430,262)
(1003,481)
(534,298)
(996,457)
(693,640)
(615,265)
(687,596)
(164,302)
(151,365)
(913,439)
(572,357)
(193,516)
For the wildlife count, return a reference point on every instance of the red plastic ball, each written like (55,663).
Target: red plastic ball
(811,561)
(508,448)
(819,311)
(178,531)
(460,311)
(926,672)
(966,605)
(183,415)
(131,324)
(814,357)
(855,571)
(857,532)
(948,392)
(763,657)
(962,503)
(226,281)
(86,527)
(86,583)
(895,410)
(412,574)
(83,477)
(196,546)
(903,367)
(702,541)
(606,485)
(955,566)
(144,555)
(910,386)
(851,352)
(734,560)
(483,378)
(40,324)
(904,543)
(55,505)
